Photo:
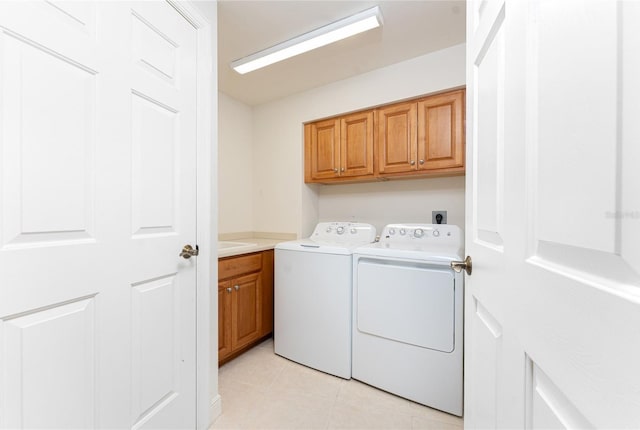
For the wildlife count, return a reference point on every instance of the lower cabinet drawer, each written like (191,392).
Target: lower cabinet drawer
(234,266)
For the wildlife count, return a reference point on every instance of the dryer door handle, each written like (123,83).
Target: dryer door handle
(465,265)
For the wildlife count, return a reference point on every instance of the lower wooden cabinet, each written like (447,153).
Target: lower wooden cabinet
(245,302)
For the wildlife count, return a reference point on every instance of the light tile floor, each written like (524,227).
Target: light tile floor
(261,390)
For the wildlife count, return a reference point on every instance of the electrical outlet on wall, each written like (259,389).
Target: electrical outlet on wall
(438,217)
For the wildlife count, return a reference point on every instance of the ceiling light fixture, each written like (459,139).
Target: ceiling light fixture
(347,27)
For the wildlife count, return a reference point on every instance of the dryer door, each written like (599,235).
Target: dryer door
(404,301)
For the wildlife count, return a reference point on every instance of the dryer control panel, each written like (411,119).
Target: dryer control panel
(421,234)
(356,233)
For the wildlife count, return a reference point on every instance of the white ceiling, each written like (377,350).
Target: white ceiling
(410,29)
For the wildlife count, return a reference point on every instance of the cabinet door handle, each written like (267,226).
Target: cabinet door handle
(237,287)
(228,289)
(342,169)
(412,162)
(335,170)
(421,161)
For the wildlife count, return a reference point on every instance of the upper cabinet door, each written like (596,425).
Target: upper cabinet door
(397,138)
(441,131)
(356,138)
(322,140)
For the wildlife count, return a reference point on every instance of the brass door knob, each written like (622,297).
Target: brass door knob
(465,265)
(188,251)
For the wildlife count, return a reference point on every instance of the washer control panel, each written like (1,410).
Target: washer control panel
(420,234)
(344,232)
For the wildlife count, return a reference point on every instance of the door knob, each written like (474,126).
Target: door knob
(188,251)
(465,265)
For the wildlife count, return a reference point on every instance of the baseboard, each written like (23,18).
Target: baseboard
(215,408)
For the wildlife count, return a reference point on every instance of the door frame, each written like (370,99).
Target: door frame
(208,404)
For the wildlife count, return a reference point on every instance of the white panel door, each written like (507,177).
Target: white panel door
(97,192)
(553,214)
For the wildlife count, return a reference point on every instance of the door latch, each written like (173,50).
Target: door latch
(459,266)
(188,251)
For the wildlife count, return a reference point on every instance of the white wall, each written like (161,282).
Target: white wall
(283,203)
(394,201)
(235,171)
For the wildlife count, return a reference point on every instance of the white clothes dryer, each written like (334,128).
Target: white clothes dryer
(408,314)
(312,296)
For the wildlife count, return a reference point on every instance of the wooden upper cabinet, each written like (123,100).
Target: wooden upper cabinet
(339,148)
(356,144)
(397,140)
(322,149)
(441,132)
(419,137)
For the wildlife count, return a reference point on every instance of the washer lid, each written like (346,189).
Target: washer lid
(307,245)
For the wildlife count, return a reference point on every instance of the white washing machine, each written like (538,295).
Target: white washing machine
(312,297)
(408,314)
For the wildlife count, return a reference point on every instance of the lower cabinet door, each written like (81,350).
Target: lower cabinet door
(267,292)
(246,314)
(224,319)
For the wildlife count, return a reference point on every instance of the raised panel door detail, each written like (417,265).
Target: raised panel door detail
(597,158)
(481,363)
(70,29)
(77,15)
(397,138)
(561,168)
(547,407)
(489,129)
(154,166)
(155,339)
(324,149)
(47,146)
(247,309)
(356,144)
(48,367)
(153,50)
(440,132)
(628,211)
(224,319)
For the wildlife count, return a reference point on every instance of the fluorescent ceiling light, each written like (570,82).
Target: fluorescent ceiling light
(347,27)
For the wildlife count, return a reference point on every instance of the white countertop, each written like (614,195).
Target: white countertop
(257,244)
